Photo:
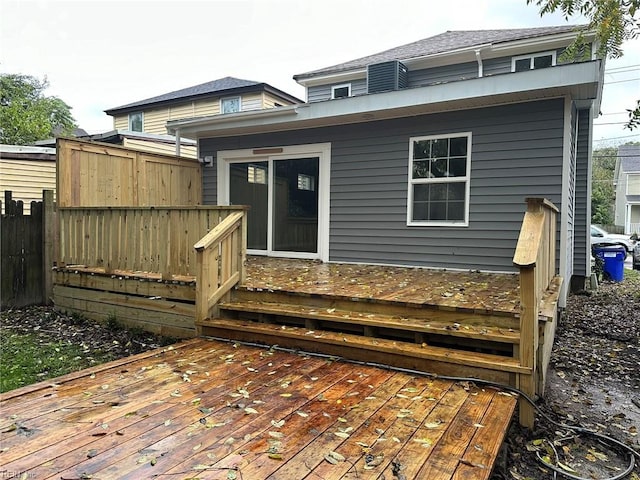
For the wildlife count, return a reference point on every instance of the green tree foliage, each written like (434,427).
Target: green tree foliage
(602,192)
(613,21)
(27,115)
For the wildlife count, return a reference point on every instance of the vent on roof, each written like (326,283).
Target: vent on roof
(382,77)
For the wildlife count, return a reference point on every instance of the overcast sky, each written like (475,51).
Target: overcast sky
(101,54)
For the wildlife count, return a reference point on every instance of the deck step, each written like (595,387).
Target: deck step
(422,357)
(318,317)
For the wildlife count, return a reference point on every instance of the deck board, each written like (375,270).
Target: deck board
(446,289)
(204,408)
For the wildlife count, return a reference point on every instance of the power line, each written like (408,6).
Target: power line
(622,81)
(621,68)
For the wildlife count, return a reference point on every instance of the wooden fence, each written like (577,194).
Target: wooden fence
(143,239)
(27,252)
(92,174)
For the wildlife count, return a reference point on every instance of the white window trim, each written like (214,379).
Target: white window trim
(412,182)
(231,98)
(321,150)
(342,85)
(129,120)
(531,57)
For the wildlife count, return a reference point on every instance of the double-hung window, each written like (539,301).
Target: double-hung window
(439,171)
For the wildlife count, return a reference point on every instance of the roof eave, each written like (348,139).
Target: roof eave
(466,94)
(488,50)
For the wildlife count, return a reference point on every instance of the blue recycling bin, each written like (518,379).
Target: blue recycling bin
(613,257)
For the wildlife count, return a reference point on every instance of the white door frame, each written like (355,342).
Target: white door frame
(320,150)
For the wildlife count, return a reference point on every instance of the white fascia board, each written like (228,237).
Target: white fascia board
(250,117)
(334,78)
(531,45)
(578,80)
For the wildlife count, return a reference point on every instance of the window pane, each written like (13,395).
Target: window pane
(341,92)
(421,149)
(455,211)
(231,105)
(438,211)
(420,211)
(440,147)
(439,168)
(458,147)
(542,62)
(438,192)
(456,191)
(458,167)
(421,192)
(523,64)
(421,169)
(135,122)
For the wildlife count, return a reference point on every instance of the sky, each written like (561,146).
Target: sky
(100,54)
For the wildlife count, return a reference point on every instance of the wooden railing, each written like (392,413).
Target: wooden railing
(221,256)
(144,239)
(535,256)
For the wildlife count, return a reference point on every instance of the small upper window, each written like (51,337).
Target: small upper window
(136,122)
(533,62)
(341,91)
(230,105)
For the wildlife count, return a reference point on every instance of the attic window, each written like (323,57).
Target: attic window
(136,122)
(230,105)
(533,62)
(341,91)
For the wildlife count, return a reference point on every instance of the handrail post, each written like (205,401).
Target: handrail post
(535,259)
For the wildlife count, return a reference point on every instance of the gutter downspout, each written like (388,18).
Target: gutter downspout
(177,135)
(479,60)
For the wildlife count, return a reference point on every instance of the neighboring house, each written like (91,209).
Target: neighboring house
(148,142)
(627,183)
(421,155)
(225,95)
(26,171)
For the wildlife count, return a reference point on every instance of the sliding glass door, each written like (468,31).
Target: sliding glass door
(283,194)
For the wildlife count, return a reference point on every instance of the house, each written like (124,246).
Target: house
(26,171)
(627,183)
(224,95)
(420,155)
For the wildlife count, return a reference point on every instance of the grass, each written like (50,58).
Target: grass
(29,358)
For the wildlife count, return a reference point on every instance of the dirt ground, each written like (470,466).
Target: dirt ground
(594,380)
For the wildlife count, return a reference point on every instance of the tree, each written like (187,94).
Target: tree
(27,115)
(602,192)
(613,21)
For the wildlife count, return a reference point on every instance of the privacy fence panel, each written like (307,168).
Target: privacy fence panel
(24,276)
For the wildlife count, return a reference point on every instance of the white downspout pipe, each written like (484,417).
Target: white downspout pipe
(177,134)
(479,60)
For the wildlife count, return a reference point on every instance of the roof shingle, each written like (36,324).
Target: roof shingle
(444,42)
(215,86)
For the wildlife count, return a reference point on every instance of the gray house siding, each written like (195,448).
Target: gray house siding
(581,243)
(449,73)
(516,153)
(320,93)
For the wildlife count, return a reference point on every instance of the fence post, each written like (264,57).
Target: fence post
(48,243)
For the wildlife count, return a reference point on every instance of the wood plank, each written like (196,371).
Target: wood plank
(485,445)
(242,404)
(279,333)
(186,425)
(447,454)
(434,326)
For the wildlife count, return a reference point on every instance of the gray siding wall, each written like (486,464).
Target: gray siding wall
(320,93)
(516,153)
(496,66)
(449,73)
(582,242)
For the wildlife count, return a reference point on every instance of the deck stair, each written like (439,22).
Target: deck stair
(424,337)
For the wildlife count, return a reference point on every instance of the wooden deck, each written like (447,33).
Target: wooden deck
(214,410)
